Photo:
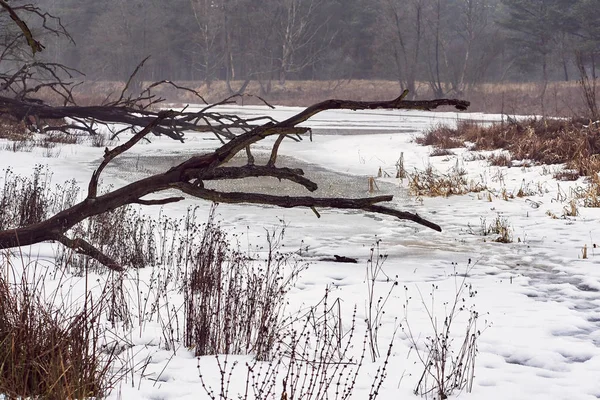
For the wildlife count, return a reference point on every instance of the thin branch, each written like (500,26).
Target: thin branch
(34,44)
(83,247)
(259,133)
(131,77)
(250,156)
(293,175)
(178,87)
(158,202)
(109,155)
(273,157)
(403,215)
(365,203)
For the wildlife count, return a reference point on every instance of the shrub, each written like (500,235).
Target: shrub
(312,360)
(500,160)
(25,201)
(449,366)
(233,303)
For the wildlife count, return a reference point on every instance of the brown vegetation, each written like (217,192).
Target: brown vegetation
(565,100)
(47,352)
(545,141)
(434,184)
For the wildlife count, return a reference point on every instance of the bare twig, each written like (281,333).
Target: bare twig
(83,247)
(109,155)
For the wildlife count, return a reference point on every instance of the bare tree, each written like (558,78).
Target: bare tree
(302,35)
(209,18)
(403,27)
(436,58)
(588,87)
(470,27)
(22,75)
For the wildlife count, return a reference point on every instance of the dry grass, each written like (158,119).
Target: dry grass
(544,141)
(434,184)
(562,98)
(439,152)
(500,160)
(590,194)
(13,130)
(60,138)
(234,305)
(501,228)
(48,352)
(441,137)
(29,200)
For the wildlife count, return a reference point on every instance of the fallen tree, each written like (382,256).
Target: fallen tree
(140,116)
(189,176)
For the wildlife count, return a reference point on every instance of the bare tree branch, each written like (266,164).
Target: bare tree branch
(83,247)
(158,202)
(366,204)
(293,175)
(31,42)
(274,150)
(109,155)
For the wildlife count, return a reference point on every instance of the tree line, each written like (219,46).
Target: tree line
(448,44)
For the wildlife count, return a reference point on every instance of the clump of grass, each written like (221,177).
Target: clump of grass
(439,152)
(441,137)
(432,183)
(586,165)
(23,146)
(29,200)
(140,241)
(566,175)
(530,189)
(590,195)
(49,352)
(501,228)
(571,209)
(99,140)
(234,304)
(500,160)
(12,129)
(59,138)
(400,169)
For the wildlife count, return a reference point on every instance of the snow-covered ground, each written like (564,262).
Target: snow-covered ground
(537,298)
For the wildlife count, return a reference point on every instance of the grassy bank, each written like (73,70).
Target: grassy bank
(560,99)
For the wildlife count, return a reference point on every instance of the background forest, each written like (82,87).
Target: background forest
(447,45)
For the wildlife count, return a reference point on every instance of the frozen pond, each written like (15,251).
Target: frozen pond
(538,298)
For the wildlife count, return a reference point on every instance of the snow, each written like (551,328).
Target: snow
(538,300)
